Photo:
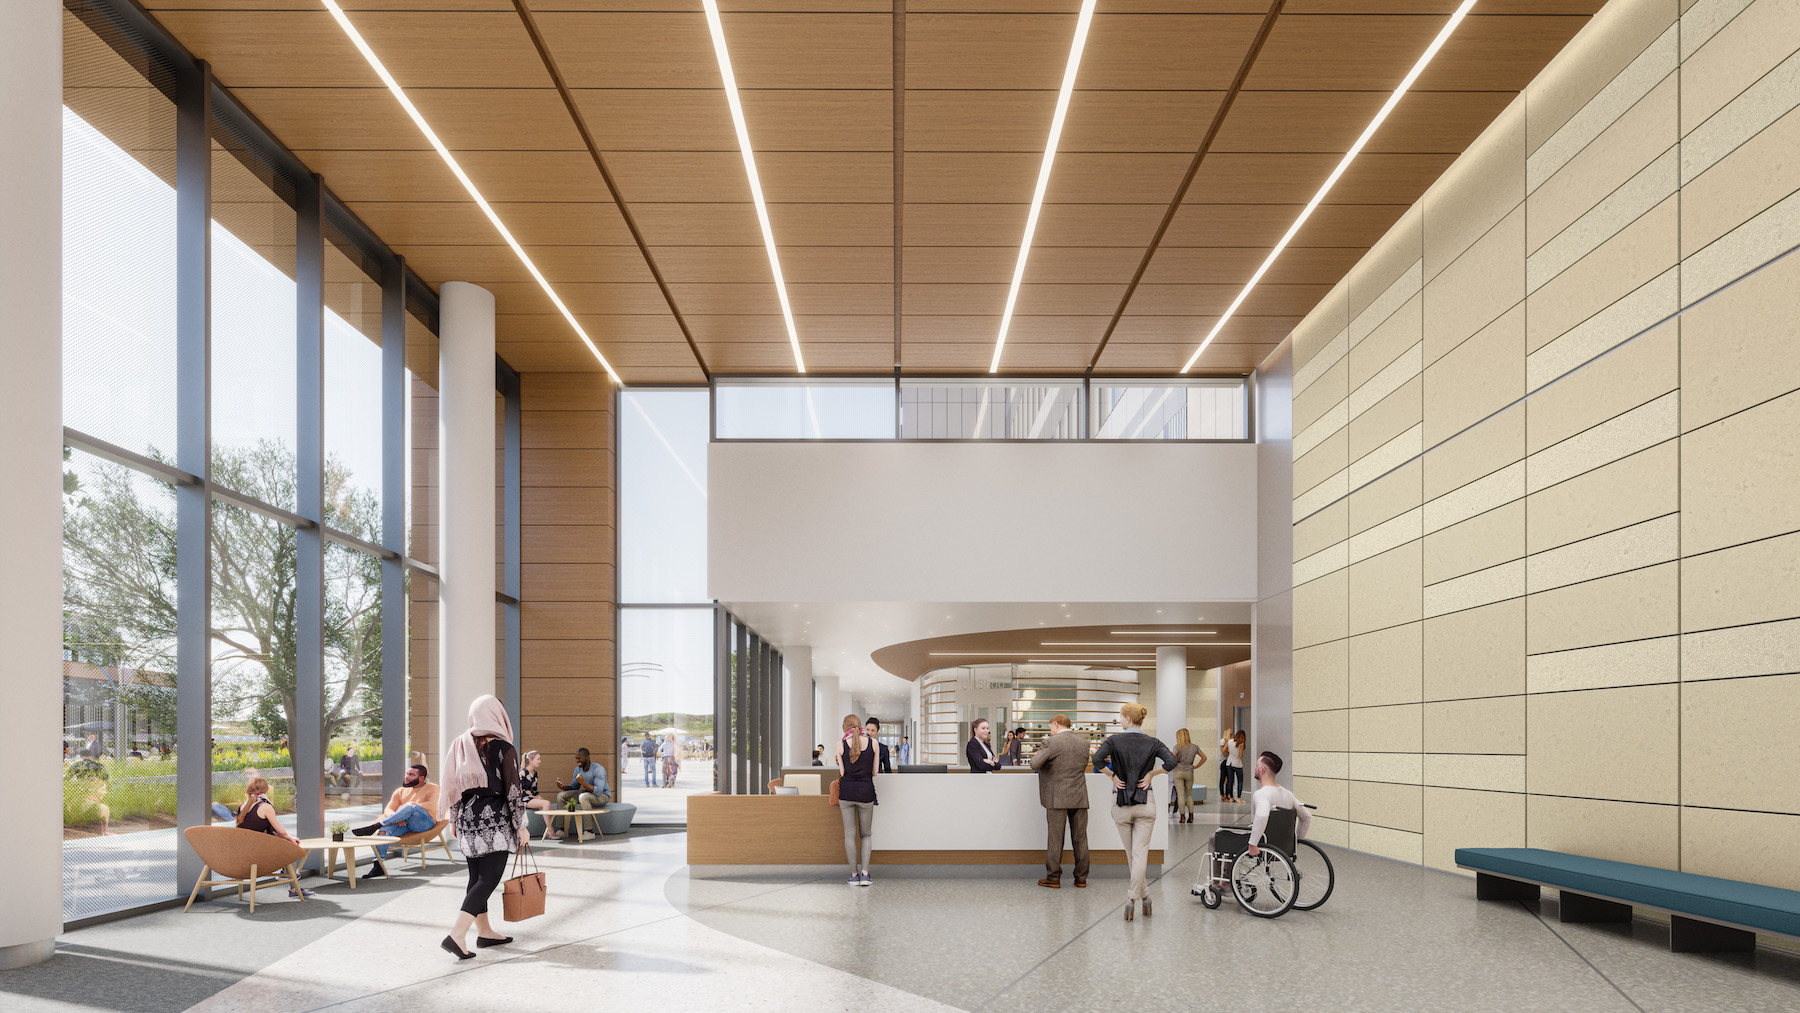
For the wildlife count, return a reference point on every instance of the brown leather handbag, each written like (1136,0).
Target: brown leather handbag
(522,896)
(834,791)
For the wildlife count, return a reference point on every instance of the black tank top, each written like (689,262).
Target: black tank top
(249,818)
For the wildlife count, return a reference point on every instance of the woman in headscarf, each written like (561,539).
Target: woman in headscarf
(481,798)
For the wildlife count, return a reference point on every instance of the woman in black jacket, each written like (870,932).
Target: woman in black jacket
(1132,755)
(982,758)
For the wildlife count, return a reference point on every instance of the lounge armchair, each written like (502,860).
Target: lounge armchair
(245,858)
(424,840)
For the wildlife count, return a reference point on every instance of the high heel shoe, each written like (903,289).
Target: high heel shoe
(1130,910)
(450,946)
(1146,907)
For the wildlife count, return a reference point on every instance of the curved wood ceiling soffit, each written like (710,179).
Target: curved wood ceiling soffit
(1088,646)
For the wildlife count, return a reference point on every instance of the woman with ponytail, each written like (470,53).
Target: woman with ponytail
(856,797)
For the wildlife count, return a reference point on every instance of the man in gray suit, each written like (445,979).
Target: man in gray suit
(1062,764)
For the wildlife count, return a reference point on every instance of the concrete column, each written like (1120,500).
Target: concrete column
(797,721)
(466,534)
(31,458)
(830,715)
(1171,692)
(31,455)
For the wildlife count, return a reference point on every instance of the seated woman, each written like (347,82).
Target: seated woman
(528,786)
(258,814)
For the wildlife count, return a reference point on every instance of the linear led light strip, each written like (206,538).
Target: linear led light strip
(381,71)
(1393,100)
(1043,180)
(717,28)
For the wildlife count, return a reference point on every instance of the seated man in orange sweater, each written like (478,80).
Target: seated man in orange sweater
(412,809)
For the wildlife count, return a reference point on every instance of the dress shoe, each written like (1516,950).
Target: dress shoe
(484,942)
(376,869)
(450,946)
(1051,883)
(368,831)
(1081,884)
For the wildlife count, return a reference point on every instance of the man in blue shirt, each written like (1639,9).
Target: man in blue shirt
(652,778)
(588,785)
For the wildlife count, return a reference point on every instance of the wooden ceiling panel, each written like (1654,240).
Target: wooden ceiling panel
(1442,8)
(527,176)
(404,223)
(552,327)
(971,177)
(819,120)
(955,51)
(1201,299)
(1141,328)
(657,119)
(497,263)
(683,224)
(1137,360)
(1177,52)
(1374,52)
(1137,120)
(978,120)
(1055,358)
(800,264)
(1038,299)
(678,224)
(585,298)
(1281,178)
(766,357)
(749,299)
(1080,177)
(1330,121)
(770,328)
(672,49)
(918,300)
(467,119)
(788,176)
(994,264)
(305,47)
(1297,265)
(1261,225)
(833,299)
(832,225)
(1002,225)
(981,329)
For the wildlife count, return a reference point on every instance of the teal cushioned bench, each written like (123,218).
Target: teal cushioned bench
(1707,913)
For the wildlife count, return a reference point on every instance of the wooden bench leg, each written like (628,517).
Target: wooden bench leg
(1689,935)
(1579,907)
(1490,887)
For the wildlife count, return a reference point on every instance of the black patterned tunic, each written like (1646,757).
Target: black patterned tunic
(488,819)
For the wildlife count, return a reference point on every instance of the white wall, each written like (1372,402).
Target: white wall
(1272,622)
(974,522)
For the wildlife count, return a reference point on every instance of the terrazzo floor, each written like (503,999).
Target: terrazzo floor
(628,926)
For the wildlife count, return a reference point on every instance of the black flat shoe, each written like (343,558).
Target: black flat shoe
(368,831)
(484,942)
(450,946)
(375,870)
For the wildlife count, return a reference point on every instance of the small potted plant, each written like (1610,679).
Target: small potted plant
(338,829)
(571,805)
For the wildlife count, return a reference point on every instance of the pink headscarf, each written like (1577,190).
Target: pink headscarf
(462,761)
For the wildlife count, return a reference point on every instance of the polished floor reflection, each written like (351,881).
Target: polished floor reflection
(629,924)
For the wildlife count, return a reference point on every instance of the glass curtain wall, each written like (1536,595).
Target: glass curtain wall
(750,695)
(1216,409)
(669,740)
(989,411)
(239,495)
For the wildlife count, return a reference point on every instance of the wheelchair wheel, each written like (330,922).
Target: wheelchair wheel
(1210,897)
(1265,883)
(1316,876)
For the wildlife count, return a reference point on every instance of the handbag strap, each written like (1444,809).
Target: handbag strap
(519,858)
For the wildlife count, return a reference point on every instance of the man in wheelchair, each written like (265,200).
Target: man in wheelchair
(1237,840)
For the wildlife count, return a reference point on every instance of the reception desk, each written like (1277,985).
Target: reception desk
(923,819)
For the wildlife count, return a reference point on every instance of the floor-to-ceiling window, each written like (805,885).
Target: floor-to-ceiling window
(666,621)
(250,472)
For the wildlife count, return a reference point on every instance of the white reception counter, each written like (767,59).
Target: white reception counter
(923,819)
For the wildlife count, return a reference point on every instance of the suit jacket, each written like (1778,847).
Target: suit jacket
(978,760)
(1062,763)
(884,766)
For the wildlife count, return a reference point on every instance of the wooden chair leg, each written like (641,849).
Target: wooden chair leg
(293,871)
(198,883)
(252,889)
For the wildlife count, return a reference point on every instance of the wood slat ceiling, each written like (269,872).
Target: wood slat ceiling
(817,78)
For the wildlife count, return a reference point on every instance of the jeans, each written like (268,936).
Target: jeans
(650,780)
(1135,823)
(221,811)
(410,818)
(859,821)
(1237,781)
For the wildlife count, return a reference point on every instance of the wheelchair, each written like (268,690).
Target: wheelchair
(1285,874)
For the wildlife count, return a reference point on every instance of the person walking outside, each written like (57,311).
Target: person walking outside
(856,797)
(670,751)
(482,799)
(1187,757)
(1061,763)
(648,751)
(1132,755)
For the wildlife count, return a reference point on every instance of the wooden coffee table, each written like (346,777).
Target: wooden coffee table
(349,844)
(580,829)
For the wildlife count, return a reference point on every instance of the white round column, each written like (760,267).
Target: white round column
(466,505)
(31,458)
(1171,692)
(830,715)
(797,721)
